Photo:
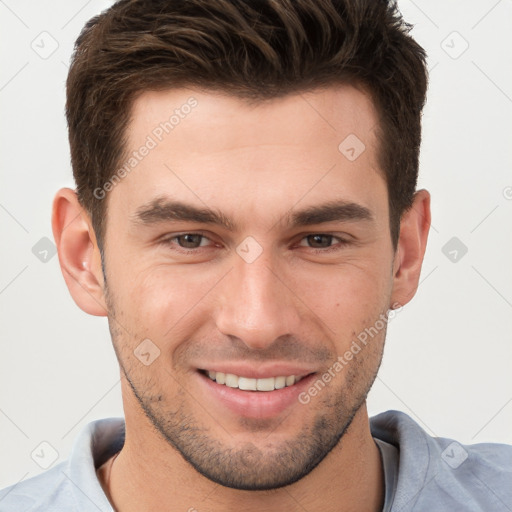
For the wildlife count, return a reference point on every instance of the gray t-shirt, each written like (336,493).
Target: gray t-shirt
(422,473)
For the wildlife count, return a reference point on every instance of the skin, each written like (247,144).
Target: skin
(298,302)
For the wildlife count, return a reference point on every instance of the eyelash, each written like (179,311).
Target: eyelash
(340,245)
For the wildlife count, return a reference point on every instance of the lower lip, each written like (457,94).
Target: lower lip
(255,404)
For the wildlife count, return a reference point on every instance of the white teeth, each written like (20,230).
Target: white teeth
(265,384)
(280,382)
(248,384)
(231,380)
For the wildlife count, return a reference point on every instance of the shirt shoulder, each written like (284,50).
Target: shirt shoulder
(38,492)
(72,485)
(441,474)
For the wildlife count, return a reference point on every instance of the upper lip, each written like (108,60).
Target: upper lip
(260,372)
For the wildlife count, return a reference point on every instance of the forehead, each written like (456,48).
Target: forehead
(331,113)
(215,149)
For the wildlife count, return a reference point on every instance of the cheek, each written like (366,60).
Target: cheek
(155,300)
(346,297)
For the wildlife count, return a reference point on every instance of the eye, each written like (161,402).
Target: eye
(319,241)
(188,240)
(323,242)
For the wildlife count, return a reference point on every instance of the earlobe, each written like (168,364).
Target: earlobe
(414,228)
(78,251)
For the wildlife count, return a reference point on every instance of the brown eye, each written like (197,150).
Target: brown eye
(319,241)
(323,243)
(189,240)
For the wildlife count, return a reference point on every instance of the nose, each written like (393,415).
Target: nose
(257,304)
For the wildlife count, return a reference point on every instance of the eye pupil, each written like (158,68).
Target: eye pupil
(190,241)
(320,241)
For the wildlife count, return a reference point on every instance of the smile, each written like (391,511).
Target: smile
(250,384)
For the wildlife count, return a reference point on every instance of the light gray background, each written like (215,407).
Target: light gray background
(448,356)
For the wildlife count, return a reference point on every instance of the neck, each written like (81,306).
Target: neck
(149,472)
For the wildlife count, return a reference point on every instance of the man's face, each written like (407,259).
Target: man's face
(246,242)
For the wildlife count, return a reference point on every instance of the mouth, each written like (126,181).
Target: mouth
(251,384)
(262,395)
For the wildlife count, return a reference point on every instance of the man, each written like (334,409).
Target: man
(246,215)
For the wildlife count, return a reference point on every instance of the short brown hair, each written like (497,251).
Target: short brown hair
(256,50)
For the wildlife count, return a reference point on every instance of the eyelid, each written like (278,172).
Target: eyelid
(341,237)
(171,237)
(338,243)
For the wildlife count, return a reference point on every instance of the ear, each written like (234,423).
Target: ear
(414,228)
(79,255)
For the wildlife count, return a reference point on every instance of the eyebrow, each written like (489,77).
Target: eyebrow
(164,210)
(333,211)
(167,210)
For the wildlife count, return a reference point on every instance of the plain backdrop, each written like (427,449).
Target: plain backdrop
(448,354)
